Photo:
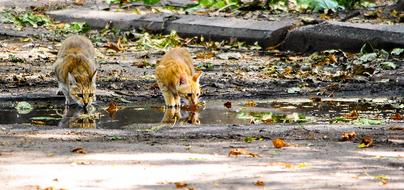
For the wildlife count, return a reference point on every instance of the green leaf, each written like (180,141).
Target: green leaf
(208,66)
(115,138)
(46,118)
(365,121)
(23,107)
(388,65)
(113,1)
(77,27)
(206,2)
(341,119)
(293,90)
(123,100)
(150,2)
(368,57)
(397,51)
(320,5)
(249,139)
(362,145)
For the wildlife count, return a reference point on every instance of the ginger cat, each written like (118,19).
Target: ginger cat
(176,77)
(75,117)
(75,70)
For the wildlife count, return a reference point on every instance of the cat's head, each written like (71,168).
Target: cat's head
(189,88)
(82,88)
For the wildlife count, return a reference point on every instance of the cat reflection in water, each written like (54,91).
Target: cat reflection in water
(76,117)
(175,116)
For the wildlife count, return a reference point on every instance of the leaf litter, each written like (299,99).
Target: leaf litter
(239,151)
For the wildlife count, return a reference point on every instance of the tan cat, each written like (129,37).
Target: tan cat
(176,77)
(75,70)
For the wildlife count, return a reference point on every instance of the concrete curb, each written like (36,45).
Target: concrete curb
(267,33)
(326,35)
(345,36)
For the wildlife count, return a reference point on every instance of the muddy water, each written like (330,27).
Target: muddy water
(53,113)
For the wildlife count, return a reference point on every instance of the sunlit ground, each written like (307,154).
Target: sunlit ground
(203,166)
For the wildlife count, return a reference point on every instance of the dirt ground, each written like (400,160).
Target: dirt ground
(33,158)
(153,156)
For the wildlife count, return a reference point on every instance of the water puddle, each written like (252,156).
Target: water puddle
(240,112)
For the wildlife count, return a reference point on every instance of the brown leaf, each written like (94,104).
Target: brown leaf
(347,136)
(205,55)
(315,99)
(397,116)
(396,128)
(367,141)
(227,105)
(287,71)
(324,17)
(79,2)
(36,122)
(283,164)
(179,185)
(250,103)
(279,143)
(238,151)
(112,109)
(333,58)
(79,150)
(353,115)
(259,183)
(115,46)
(295,58)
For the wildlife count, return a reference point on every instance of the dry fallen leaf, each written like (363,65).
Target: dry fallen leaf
(366,142)
(79,2)
(396,128)
(283,164)
(180,185)
(115,46)
(353,115)
(238,151)
(347,136)
(227,105)
(250,103)
(295,58)
(112,109)
(397,116)
(259,183)
(36,122)
(279,143)
(79,150)
(333,58)
(315,99)
(205,55)
(383,179)
(81,162)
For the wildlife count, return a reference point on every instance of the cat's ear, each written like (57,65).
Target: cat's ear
(183,80)
(71,79)
(94,77)
(197,76)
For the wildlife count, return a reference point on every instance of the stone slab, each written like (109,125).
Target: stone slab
(267,33)
(345,36)
(99,19)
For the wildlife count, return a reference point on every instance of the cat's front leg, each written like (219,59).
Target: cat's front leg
(59,91)
(177,101)
(169,99)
